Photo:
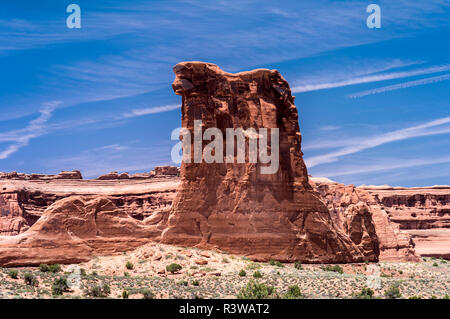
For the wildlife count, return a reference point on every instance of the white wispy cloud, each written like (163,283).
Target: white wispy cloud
(385,165)
(151,110)
(399,86)
(352,146)
(34,129)
(370,79)
(40,126)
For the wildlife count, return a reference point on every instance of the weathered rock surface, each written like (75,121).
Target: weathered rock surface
(22,176)
(421,212)
(234,207)
(23,202)
(75,229)
(365,220)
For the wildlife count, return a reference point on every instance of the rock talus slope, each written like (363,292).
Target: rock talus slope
(234,207)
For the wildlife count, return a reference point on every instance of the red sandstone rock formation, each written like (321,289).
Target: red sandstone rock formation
(73,230)
(22,202)
(21,176)
(365,220)
(233,206)
(421,212)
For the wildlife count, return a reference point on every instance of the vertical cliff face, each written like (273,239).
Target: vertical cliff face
(422,213)
(234,206)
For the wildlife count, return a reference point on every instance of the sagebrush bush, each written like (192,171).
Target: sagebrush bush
(365,293)
(257,274)
(59,286)
(393,292)
(255,290)
(173,268)
(275,263)
(293,293)
(50,268)
(147,294)
(335,268)
(129,265)
(298,265)
(31,279)
(98,291)
(13,274)
(242,273)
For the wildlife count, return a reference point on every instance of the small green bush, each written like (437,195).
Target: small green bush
(43,267)
(13,274)
(50,268)
(54,268)
(293,293)
(173,268)
(298,265)
(125,294)
(31,279)
(393,292)
(255,290)
(129,265)
(196,283)
(365,293)
(435,264)
(276,263)
(147,294)
(335,268)
(242,273)
(59,286)
(415,297)
(257,274)
(98,291)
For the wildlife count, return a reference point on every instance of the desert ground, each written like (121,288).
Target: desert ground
(210,274)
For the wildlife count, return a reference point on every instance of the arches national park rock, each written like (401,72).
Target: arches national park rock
(229,206)
(235,206)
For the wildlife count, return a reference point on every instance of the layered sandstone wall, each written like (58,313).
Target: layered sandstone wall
(364,218)
(421,212)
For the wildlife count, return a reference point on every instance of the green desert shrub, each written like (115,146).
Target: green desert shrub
(43,267)
(242,273)
(293,293)
(298,265)
(255,290)
(50,268)
(393,292)
(173,268)
(275,263)
(365,293)
(129,265)
(196,283)
(125,294)
(30,279)
(147,294)
(59,286)
(257,274)
(335,268)
(99,291)
(13,274)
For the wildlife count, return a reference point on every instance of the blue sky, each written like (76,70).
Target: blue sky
(374,104)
